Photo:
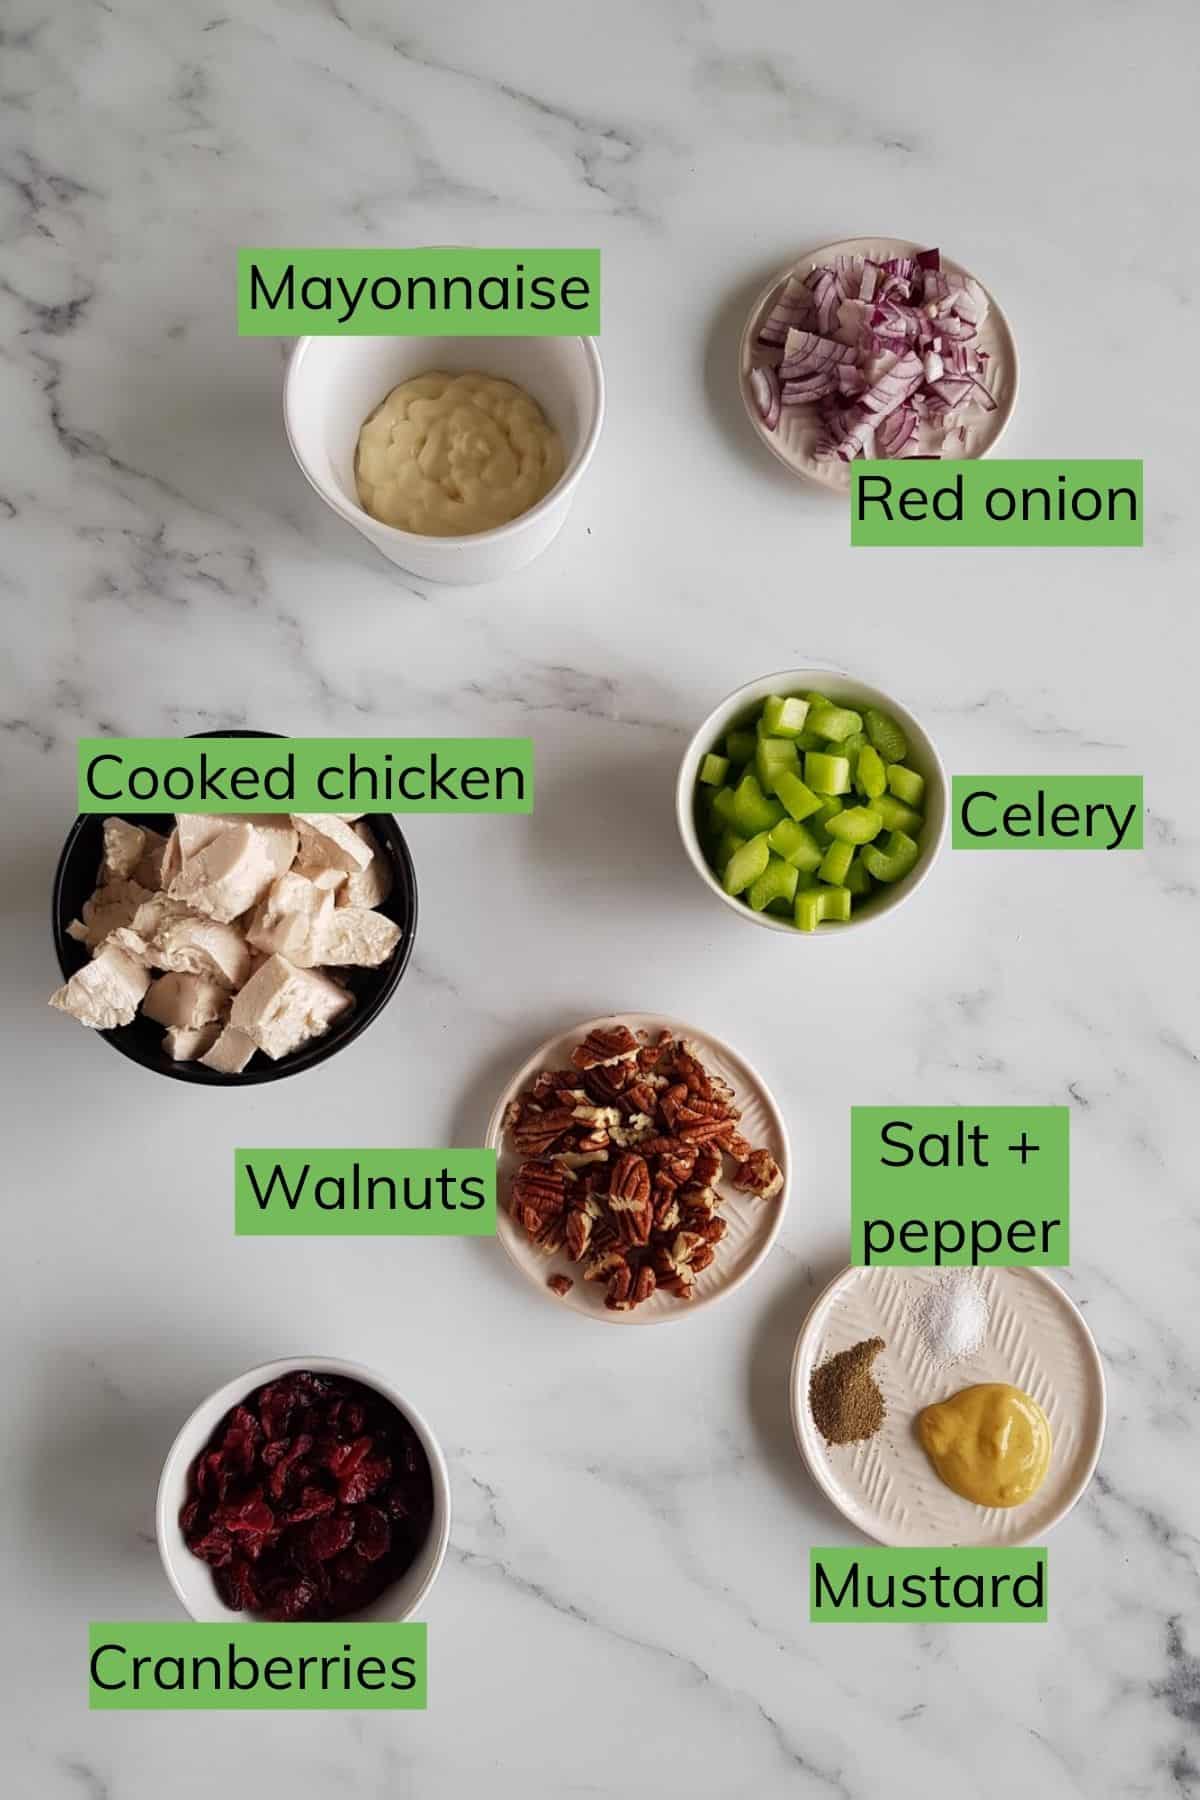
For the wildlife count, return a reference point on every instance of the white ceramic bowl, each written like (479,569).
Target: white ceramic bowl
(922,756)
(334,383)
(192,1579)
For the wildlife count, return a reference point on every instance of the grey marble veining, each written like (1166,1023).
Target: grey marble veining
(623,1610)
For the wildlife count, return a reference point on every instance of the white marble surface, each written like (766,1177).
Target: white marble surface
(623,1611)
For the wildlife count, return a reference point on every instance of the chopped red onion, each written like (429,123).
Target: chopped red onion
(914,357)
(764,385)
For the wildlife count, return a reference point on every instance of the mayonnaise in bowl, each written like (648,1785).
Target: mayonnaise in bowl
(451,455)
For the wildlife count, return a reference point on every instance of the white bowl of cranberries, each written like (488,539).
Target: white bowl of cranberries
(304,1490)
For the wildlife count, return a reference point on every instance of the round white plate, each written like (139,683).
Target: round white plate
(752,1224)
(1037,1340)
(794,438)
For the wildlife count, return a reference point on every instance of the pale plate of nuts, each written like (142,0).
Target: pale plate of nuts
(643,1168)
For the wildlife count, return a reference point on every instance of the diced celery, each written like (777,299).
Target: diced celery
(826,774)
(727,843)
(906,784)
(782,717)
(870,774)
(836,863)
(809,908)
(799,800)
(886,736)
(857,880)
(713,770)
(746,864)
(752,810)
(816,904)
(815,699)
(796,844)
(772,758)
(896,816)
(722,804)
(777,882)
(834,722)
(805,878)
(855,825)
(891,859)
(829,809)
(739,746)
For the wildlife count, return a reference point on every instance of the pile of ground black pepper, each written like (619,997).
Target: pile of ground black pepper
(846,1403)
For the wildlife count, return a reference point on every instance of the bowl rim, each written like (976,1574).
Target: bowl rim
(701,741)
(228,1395)
(297,1062)
(900,246)
(358,516)
(820,1473)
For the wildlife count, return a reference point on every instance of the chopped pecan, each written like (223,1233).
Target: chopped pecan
(701,1257)
(603,1264)
(637,1127)
(605,1046)
(759,1174)
(666,1211)
(607,1083)
(539,1188)
(708,1131)
(629,1288)
(629,1197)
(738,1147)
(579,1225)
(535,1131)
(579,1159)
(651,1054)
(552,1235)
(708,1166)
(639,1097)
(560,1285)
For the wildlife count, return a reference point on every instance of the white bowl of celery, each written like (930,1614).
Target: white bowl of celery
(810,802)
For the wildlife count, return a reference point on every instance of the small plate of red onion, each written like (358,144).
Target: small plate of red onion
(876,348)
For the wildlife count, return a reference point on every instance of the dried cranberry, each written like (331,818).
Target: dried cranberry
(215,1547)
(292,1600)
(314,1503)
(355,1487)
(373,1535)
(326,1537)
(343,1458)
(297,1448)
(237,1587)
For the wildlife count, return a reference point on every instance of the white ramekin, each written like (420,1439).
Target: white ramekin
(333,383)
(192,1579)
(922,756)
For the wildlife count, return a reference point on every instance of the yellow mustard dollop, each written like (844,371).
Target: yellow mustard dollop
(450,455)
(990,1443)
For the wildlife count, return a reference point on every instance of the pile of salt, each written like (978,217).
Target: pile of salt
(951,1317)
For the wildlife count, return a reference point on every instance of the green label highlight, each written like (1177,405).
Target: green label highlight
(423,292)
(975,1186)
(986,1586)
(1077,502)
(313,775)
(1047,812)
(251,1667)
(364,1193)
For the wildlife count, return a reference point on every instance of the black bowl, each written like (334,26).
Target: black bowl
(75,882)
